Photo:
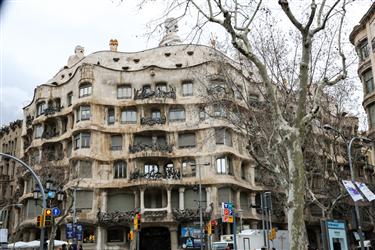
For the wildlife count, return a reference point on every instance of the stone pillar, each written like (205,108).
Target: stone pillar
(208,196)
(100,233)
(252,202)
(169,201)
(174,240)
(25,236)
(104,201)
(215,200)
(32,235)
(181,192)
(237,200)
(142,198)
(25,186)
(136,199)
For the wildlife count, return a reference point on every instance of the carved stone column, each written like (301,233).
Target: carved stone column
(237,200)
(318,239)
(208,196)
(136,199)
(169,201)
(215,200)
(104,201)
(142,198)
(32,235)
(100,236)
(25,186)
(252,200)
(181,192)
(174,239)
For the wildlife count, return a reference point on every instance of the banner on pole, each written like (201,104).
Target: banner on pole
(352,190)
(370,196)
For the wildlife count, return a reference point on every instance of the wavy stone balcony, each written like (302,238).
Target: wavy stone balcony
(161,147)
(151,121)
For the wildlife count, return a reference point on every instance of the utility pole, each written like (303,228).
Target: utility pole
(75,218)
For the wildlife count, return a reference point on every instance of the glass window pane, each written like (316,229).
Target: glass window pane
(186,140)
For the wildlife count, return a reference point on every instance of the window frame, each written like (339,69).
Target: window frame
(368,78)
(117,166)
(82,140)
(40,108)
(175,111)
(222,165)
(84,113)
(116,147)
(130,111)
(180,137)
(109,112)
(69,99)
(85,89)
(187,88)
(126,90)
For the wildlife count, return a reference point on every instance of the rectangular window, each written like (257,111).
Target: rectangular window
(187,89)
(177,115)
(84,199)
(84,169)
(40,108)
(129,116)
(116,142)
(69,149)
(124,92)
(363,50)
(368,81)
(38,131)
(186,140)
(82,140)
(84,113)
(85,90)
(223,136)
(119,170)
(115,235)
(111,116)
(221,165)
(155,114)
(69,98)
(151,168)
(371,110)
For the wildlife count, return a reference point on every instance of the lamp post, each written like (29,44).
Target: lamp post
(36,177)
(200,200)
(352,174)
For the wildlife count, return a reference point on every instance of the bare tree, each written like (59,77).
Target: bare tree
(296,68)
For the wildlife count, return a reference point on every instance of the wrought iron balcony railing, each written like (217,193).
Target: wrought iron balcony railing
(151,121)
(144,94)
(139,147)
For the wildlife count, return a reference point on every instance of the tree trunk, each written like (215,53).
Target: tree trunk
(296,194)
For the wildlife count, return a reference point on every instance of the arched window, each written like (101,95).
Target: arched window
(85,89)
(119,170)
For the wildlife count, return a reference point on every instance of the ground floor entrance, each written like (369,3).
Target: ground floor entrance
(155,238)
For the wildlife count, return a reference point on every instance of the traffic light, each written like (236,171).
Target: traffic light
(272,235)
(39,221)
(47,220)
(131,235)
(137,221)
(209,228)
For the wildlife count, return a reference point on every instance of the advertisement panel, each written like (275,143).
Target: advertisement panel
(190,238)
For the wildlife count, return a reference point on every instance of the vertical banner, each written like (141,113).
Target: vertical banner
(370,196)
(352,190)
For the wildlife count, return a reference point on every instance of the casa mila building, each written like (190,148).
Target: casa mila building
(133,132)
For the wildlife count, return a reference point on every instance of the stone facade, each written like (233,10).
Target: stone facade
(10,143)
(128,131)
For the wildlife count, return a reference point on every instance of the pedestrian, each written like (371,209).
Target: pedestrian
(63,247)
(80,247)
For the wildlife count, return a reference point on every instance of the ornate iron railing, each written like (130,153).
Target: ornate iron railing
(139,147)
(115,218)
(151,121)
(170,173)
(188,215)
(51,110)
(144,94)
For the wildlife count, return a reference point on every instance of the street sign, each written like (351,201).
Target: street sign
(227,212)
(3,235)
(79,232)
(69,231)
(56,211)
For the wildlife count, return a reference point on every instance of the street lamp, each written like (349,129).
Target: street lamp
(200,199)
(352,174)
(37,179)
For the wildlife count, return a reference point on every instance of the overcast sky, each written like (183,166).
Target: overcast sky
(38,36)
